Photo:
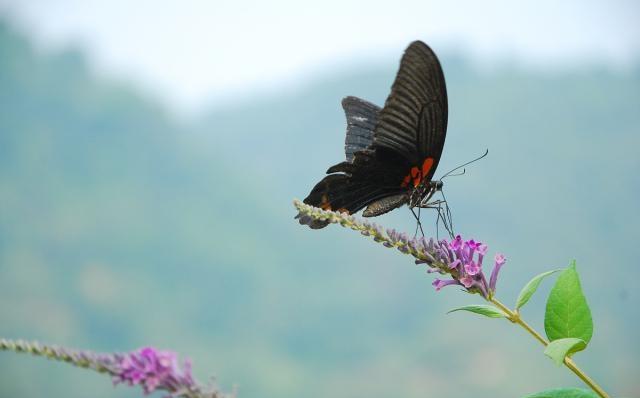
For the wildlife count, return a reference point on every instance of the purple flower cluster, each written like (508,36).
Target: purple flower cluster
(462,260)
(154,370)
(464,263)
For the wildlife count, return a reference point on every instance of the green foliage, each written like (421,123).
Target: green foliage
(567,313)
(486,310)
(564,393)
(530,288)
(557,350)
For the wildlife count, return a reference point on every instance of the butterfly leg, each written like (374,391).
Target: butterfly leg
(444,214)
(448,213)
(438,224)
(438,206)
(418,223)
(439,209)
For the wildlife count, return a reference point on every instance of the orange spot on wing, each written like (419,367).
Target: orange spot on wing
(426,166)
(324,203)
(417,176)
(342,210)
(406,180)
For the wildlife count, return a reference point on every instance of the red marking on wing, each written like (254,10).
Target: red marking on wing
(416,175)
(324,204)
(426,166)
(406,180)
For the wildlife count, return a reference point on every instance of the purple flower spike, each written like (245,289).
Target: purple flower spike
(467,281)
(463,261)
(500,260)
(482,250)
(472,268)
(456,244)
(149,368)
(153,370)
(439,283)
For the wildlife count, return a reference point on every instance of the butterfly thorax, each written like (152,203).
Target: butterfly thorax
(420,195)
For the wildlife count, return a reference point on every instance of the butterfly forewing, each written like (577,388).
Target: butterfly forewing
(413,121)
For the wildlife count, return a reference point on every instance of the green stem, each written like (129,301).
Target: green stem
(55,353)
(514,316)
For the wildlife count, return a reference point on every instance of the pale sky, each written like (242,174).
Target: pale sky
(193,52)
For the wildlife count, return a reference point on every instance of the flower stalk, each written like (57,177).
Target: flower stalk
(461,260)
(152,369)
(456,258)
(514,316)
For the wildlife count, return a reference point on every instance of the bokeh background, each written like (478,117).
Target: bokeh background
(150,151)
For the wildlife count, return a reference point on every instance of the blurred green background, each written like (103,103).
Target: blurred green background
(123,224)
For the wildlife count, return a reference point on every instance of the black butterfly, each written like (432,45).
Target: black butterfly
(392,153)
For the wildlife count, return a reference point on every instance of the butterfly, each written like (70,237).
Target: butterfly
(391,152)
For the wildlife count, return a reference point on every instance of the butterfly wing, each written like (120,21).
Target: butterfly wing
(362,117)
(413,121)
(350,186)
(382,145)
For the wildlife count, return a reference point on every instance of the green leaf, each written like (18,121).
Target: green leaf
(486,310)
(564,393)
(558,349)
(531,287)
(567,313)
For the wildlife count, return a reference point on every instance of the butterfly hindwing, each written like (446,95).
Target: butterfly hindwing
(351,186)
(362,117)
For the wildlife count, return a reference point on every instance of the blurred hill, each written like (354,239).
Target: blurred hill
(122,227)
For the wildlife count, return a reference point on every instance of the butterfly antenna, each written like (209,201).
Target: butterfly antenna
(465,164)
(457,174)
